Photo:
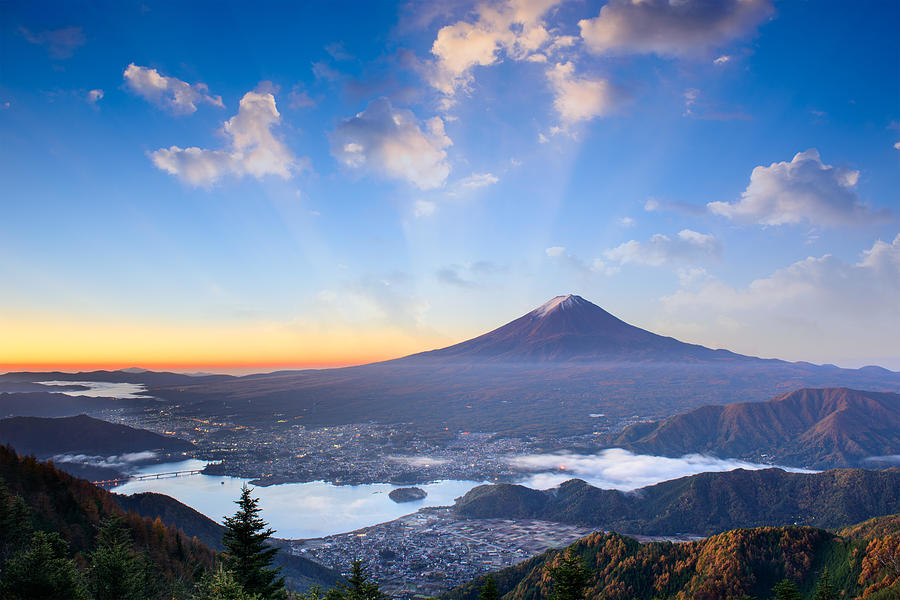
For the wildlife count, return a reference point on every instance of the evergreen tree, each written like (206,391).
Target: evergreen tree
(15,523)
(786,590)
(41,571)
(825,590)
(489,590)
(570,578)
(220,585)
(247,555)
(360,586)
(117,573)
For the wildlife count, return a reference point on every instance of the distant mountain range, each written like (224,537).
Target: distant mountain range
(82,435)
(745,563)
(703,504)
(817,428)
(541,375)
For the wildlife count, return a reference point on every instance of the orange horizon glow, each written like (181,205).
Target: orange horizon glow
(61,344)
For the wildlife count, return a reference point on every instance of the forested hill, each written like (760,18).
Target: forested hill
(735,564)
(299,572)
(818,428)
(704,504)
(35,495)
(76,509)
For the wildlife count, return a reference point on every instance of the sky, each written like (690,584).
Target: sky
(231,185)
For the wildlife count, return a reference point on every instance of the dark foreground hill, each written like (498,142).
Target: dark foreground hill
(75,509)
(300,573)
(82,435)
(171,534)
(818,428)
(703,504)
(735,564)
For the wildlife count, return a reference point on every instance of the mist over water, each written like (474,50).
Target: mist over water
(618,469)
(100,389)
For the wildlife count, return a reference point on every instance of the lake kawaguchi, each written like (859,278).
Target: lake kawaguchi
(319,508)
(294,510)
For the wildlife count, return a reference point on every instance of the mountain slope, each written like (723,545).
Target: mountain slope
(703,504)
(735,564)
(82,434)
(300,572)
(819,428)
(569,328)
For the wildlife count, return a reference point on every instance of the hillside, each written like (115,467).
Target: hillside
(703,504)
(75,509)
(543,374)
(734,564)
(818,428)
(50,404)
(300,573)
(179,540)
(82,434)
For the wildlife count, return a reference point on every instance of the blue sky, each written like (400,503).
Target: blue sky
(278,184)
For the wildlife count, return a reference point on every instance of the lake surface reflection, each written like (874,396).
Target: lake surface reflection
(294,510)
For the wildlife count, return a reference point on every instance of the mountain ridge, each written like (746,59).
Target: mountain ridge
(812,427)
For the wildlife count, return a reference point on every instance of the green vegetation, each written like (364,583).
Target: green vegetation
(247,555)
(733,565)
(704,504)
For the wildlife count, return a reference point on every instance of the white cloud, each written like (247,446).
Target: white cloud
(627,222)
(390,141)
(580,98)
(178,96)
(897,146)
(60,43)
(477,180)
(804,189)
(722,60)
(809,310)
(94,96)
(687,246)
(555,251)
(618,469)
(424,208)
(670,28)
(253,150)
(513,27)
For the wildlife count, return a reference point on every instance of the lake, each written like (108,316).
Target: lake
(319,508)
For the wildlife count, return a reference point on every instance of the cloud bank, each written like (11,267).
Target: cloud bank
(391,142)
(802,190)
(618,469)
(179,97)
(807,310)
(670,28)
(253,149)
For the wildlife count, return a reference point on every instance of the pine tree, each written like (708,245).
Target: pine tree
(570,578)
(360,586)
(220,585)
(786,590)
(117,573)
(247,555)
(825,590)
(489,590)
(41,571)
